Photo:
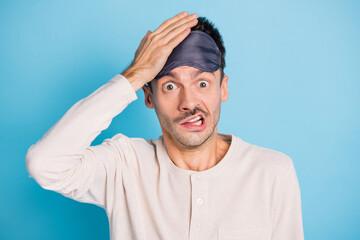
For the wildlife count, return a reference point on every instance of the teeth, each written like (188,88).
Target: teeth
(198,123)
(195,119)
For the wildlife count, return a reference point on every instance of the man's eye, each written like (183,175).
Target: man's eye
(203,84)
(170,86)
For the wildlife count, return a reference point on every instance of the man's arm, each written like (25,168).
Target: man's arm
(62,160)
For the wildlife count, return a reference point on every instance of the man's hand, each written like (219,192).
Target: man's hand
(156,47)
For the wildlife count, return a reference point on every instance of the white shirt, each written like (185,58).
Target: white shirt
(252,193)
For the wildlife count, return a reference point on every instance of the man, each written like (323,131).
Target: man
(190,183)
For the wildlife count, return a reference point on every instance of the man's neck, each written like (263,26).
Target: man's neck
(198,159)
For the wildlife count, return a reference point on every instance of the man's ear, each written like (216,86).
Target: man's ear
(148,96)
(224,89)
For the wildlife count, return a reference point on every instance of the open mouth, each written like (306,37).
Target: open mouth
(195,123)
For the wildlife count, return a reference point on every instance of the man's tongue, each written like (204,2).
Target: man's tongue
(194,122)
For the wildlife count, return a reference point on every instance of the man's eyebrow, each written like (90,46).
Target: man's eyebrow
(194,75)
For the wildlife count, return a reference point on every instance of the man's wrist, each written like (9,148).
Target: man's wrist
(135,80)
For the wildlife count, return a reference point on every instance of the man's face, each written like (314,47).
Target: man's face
(187,102)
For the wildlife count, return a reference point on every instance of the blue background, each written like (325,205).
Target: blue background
(293,70)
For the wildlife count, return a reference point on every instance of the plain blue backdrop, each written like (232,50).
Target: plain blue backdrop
(293,70)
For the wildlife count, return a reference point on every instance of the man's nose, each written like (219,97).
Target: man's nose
(188,100)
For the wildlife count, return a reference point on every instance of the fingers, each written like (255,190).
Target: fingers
(155,48)
(170,21)
(178,30)
(141,45)
(180,23)
(167,31)
(170,29)
(144,38)
(178,38)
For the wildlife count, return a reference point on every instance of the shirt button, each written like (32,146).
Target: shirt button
(199,201)
(198,226)
(198,177)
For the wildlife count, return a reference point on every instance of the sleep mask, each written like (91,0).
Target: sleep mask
(197,50)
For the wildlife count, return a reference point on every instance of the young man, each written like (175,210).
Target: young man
(190,183)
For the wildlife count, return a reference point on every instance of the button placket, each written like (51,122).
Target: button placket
(197,212)
(199,200)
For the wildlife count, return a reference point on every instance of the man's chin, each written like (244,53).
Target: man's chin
(192,139)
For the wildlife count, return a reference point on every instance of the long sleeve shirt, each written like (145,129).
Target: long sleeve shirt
(252,193)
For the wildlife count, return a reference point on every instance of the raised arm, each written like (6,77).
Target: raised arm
(62,160)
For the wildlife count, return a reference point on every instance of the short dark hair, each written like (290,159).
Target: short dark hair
(208,27)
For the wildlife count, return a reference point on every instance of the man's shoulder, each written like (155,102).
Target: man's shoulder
(266,159)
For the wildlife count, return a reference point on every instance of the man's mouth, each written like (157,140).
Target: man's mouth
(194,123)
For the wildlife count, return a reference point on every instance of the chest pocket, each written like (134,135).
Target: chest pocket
(237,233)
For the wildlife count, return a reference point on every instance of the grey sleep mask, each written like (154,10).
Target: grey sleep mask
(197,50)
